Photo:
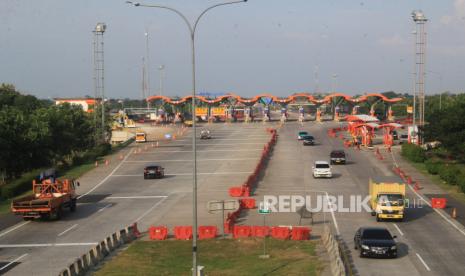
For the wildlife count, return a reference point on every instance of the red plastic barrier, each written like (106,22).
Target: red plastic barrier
(248,203)
(183,232)
(241,231)
(135,230)
(228,226)
(409,180)
(158,233)
(235,191)
(300,233)
(439,203)
(207,232)
(245,190)
(281,233)
(260,231)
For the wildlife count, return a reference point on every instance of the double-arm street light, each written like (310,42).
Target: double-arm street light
(192,28)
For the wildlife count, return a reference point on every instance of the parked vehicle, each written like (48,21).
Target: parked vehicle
(337,157)
(308,140)
(321,169)
(205,134)
(47,201)
(154,171)
(387,198)
(375,242)
(301,135)
(141,137)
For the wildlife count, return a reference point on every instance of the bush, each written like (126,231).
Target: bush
(433,166)
(461,182)
(20,185)
(450,174)
(413,153)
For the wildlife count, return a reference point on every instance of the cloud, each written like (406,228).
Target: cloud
(458,15)
(392,41)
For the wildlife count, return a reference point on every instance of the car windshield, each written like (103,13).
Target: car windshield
(338,154)
(322,166)
(302,133)
(308,137)
(391,199)
(376,234)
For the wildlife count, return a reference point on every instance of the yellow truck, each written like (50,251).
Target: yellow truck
(387,198)
(141,137)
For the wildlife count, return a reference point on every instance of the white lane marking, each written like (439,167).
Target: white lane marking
(150,210)
(438,212)
(107,177)
(135,197)
(332,214)
(67,230)
(174,151)
(180,174)
(190,160)
(46,244)
(398,229)
(423,262)
(14,261)
(105,207)
(14,228)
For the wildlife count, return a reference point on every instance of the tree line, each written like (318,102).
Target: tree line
(36,133)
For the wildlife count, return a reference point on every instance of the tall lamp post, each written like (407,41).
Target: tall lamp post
(192,28)
(161,68)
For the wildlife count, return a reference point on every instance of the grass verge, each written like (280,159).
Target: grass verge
(219,257)
(453,191)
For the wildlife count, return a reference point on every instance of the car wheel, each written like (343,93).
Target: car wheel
(361,254)
(355,246)
(378,219)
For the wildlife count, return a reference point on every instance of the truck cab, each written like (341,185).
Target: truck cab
(387,198)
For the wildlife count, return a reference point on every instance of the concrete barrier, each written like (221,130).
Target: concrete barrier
(95,255)
(338,267)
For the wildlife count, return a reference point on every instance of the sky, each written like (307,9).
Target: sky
(261,46)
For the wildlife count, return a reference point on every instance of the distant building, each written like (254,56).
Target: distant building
(87,104)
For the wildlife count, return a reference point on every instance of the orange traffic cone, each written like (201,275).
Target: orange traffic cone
(174,137)
(107,162)
(121,157)
(454,213)
(157,144)
(416,187)
(96,163)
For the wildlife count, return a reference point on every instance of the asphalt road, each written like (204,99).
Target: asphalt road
(428,243)
(117,196)
(114,197)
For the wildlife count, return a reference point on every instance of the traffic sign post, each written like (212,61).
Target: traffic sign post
(216,206)
(264,210)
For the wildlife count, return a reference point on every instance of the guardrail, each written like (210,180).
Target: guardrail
(95,255)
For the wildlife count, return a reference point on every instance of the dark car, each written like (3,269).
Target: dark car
(154,171)
(308,140)
(375,242)
(337,157)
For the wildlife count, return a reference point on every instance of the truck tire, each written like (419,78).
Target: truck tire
(378,219)
(56,213)
(73,206)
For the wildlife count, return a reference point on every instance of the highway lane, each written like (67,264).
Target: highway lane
(120,200)
(428,243)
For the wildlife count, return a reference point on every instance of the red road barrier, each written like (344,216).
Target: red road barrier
(247,203)
(236,191)
(183,232)
(228,226)
(158,233)
(242,231)
(281,233)
(300,233)
(417,186)
(260,231)
(409,180)
(245,190)
(439,203)
(207,232)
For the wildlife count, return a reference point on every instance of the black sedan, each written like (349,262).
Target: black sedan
(308,140)
(154,171)
(375,242)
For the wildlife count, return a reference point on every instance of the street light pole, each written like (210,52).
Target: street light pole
(161,68)
(192,28)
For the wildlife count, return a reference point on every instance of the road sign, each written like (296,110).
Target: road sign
(220,205)
(264,208)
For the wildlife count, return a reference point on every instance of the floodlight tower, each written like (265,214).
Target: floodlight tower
(99,77)
(419,63)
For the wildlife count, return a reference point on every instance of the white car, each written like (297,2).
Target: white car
(322,169)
